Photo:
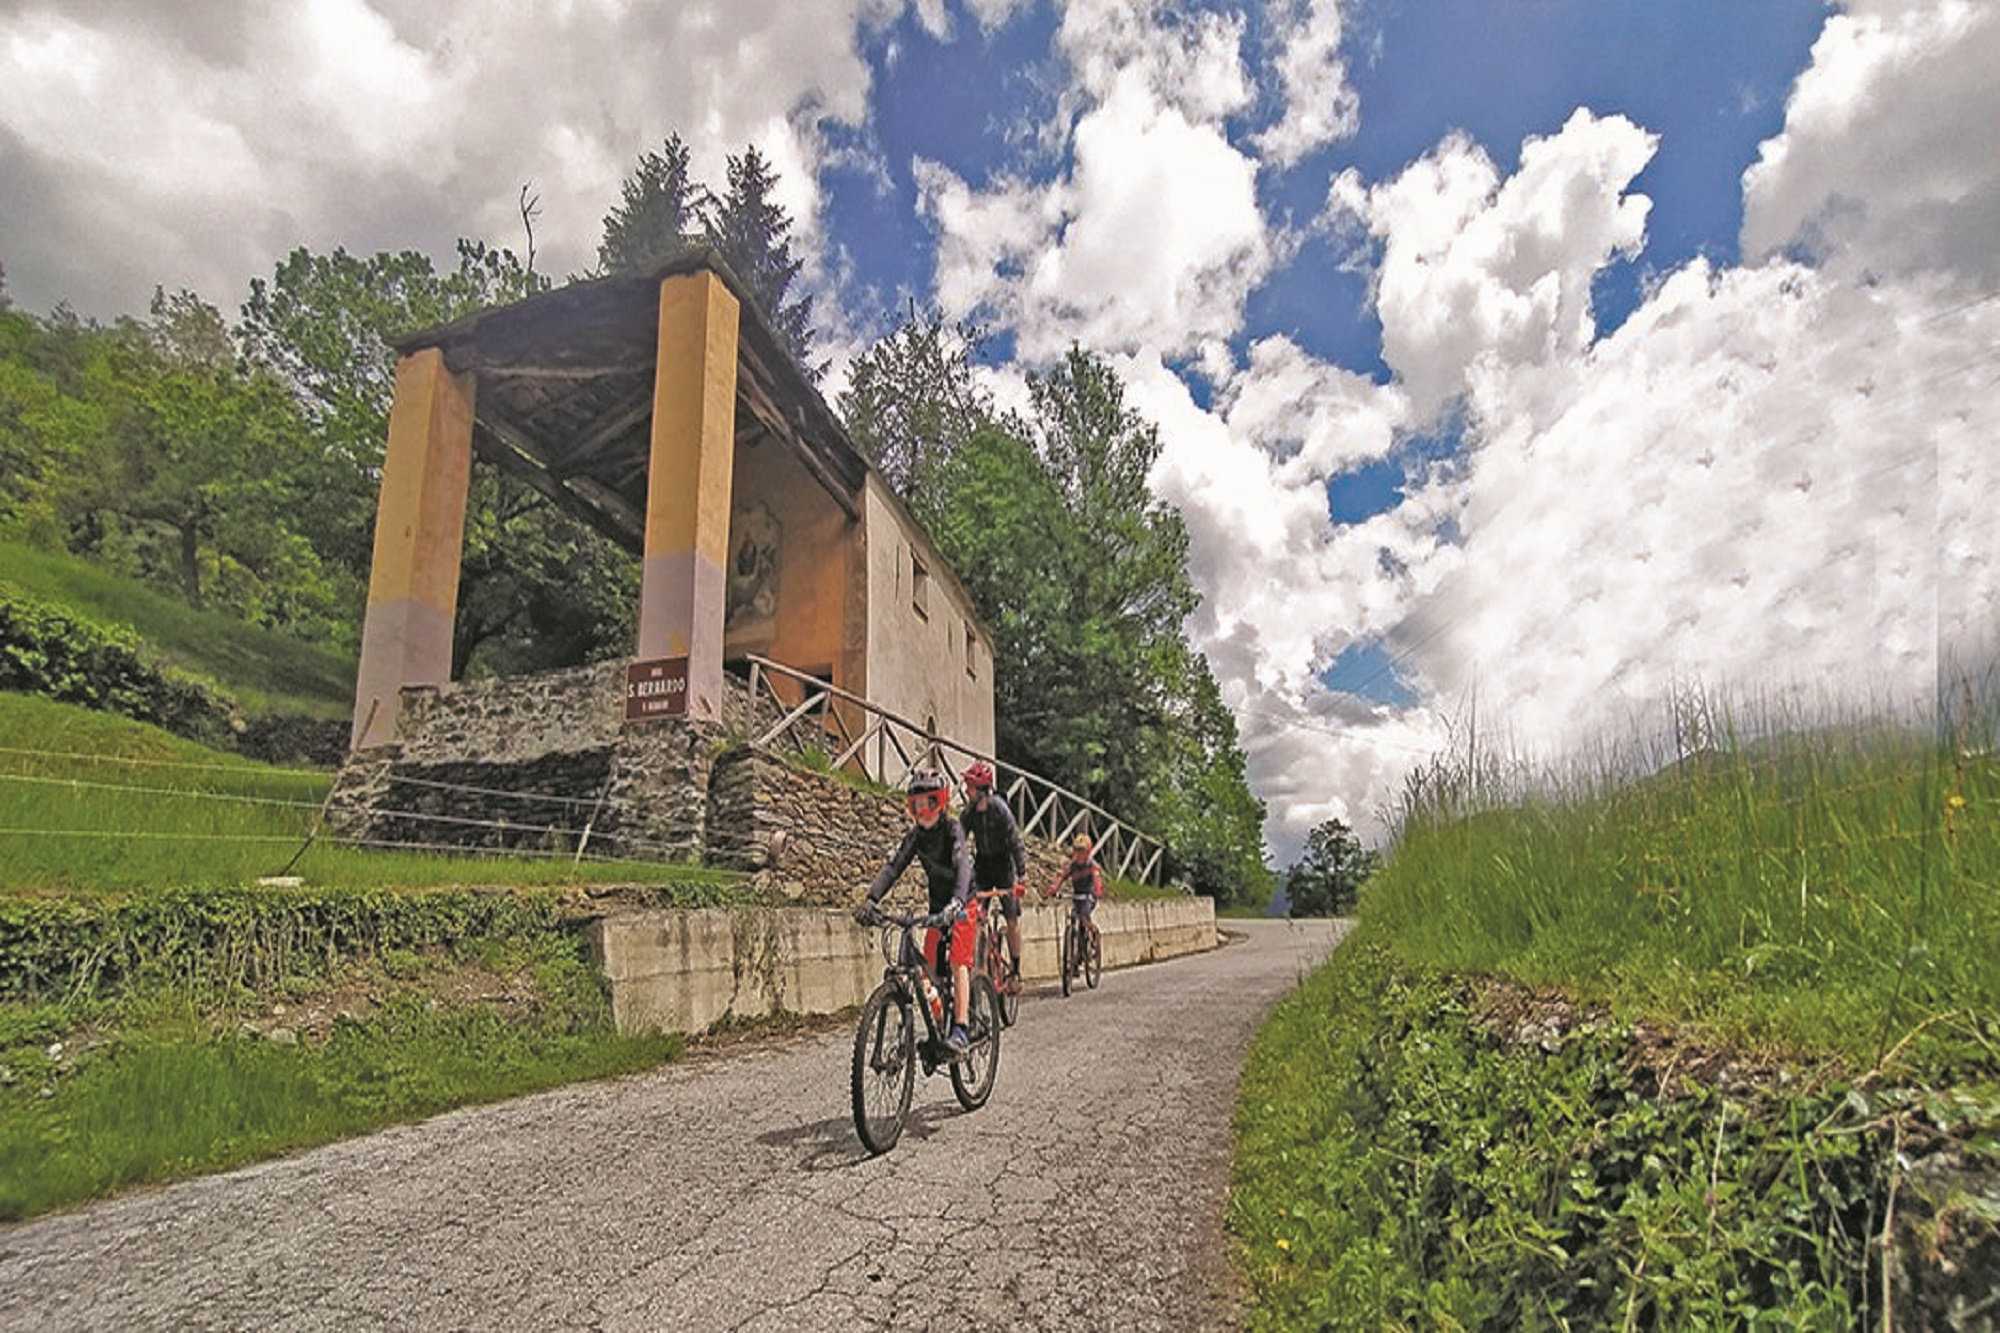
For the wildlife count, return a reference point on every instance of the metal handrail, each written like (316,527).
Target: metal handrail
(1058,814)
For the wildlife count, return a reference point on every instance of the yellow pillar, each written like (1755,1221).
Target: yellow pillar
(682,587)
(419,536)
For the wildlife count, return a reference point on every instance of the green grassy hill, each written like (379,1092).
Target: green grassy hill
(261,670)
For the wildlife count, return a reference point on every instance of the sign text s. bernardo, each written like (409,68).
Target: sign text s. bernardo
(656,689)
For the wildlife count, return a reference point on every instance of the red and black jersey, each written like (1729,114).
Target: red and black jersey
(1081,877)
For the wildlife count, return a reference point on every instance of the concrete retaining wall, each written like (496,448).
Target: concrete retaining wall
(683,971)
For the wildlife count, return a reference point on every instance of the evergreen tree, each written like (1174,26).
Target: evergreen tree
(660,216)
(753,235)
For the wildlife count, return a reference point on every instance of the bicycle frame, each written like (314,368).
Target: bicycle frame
(903,975)
(988,958)
(1075,943)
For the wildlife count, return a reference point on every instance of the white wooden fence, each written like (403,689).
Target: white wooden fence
(850,732)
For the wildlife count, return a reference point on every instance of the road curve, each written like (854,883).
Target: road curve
(733,1194)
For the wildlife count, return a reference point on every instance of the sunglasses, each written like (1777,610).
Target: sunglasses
(924,803)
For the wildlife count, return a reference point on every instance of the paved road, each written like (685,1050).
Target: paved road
(732,1194)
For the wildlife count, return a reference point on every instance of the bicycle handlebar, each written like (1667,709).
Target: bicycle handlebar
(906,920)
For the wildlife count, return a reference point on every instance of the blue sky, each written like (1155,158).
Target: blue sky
(1537,362)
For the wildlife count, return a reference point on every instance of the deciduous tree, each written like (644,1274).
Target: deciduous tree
(911,402)
(1082,575)
(1329,874)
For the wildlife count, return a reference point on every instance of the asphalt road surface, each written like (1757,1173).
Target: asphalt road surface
(732,1193)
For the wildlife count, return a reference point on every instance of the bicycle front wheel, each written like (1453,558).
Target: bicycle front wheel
(885,1068)
(972,1073)
(996,970)
(1093,961)
(1068,958)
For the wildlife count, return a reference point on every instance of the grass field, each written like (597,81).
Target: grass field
(1826,889)
(166,1064)
(93,803)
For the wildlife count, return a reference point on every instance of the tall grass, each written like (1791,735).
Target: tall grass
(1826,887)
(91,802)
(1424,1143)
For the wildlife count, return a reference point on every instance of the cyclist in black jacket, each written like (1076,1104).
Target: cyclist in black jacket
(936,842)
(999,861)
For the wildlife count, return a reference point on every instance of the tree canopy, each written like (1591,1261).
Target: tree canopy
(1327,879)
(238,466)
(148,447)
(658,218)
(665,213)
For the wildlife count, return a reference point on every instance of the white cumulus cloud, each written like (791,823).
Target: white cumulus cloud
(1886,163)
(1153,234)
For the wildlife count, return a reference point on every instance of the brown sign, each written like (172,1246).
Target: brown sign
(656,689)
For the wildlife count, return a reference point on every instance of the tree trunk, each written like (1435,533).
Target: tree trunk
(191,562)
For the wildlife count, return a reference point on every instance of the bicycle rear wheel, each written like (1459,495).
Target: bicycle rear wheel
(972,1074)
(885,1068)
(1093,961)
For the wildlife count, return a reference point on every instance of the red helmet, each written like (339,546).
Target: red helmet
(979,777)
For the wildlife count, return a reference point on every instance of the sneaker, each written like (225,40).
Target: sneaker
(958,1041)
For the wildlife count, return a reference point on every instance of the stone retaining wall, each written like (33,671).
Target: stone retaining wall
(814,837)
(535,763)
(546,764)
(684,971)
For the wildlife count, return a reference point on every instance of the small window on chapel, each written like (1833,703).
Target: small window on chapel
(920,587)
(971,652)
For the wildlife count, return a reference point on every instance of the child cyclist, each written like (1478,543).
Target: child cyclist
(1084,881)
(999,861)
(937,843)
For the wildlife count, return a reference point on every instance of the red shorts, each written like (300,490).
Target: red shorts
(964,935)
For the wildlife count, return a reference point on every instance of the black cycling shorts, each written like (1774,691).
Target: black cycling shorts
(997,875)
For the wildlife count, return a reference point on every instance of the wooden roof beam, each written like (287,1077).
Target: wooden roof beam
(589,503)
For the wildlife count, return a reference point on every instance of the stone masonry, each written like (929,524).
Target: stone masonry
(535,763)
(816,838)
(547,764)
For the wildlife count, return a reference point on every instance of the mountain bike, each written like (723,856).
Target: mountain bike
(887,1049)
(1081,951)
(991,961)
